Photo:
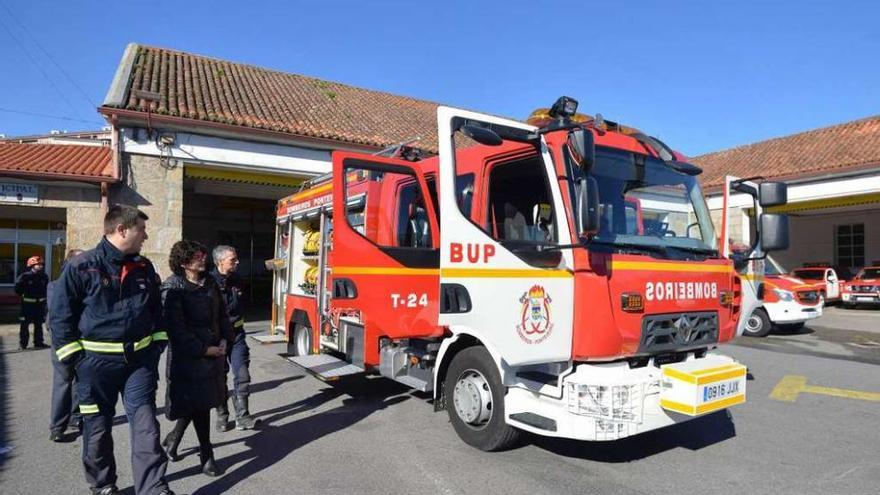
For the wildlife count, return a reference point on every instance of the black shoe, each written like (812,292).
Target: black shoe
(40,346)
(56,436)
(107,490)
(76,425)
(222,423)
(209,467)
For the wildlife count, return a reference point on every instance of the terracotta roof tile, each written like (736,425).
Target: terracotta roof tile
(838,148)
(86,163)
(202,88)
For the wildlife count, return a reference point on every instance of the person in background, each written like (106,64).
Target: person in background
(199,330)
(239,355)
(106,320)
(65,410)
(31,286)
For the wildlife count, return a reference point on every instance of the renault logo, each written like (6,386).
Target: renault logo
(685,328)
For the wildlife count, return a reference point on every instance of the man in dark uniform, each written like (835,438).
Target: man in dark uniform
(239,355)
(31,286)
(106,318)
(65,410)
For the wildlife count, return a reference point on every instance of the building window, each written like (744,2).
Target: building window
(849,241)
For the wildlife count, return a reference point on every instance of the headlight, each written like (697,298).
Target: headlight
(784,295)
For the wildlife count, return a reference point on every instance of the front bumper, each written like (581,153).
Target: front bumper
(792,312)
(652,400)
(861,297)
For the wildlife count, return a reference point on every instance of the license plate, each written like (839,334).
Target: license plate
(723,390)
(865,299)
(702,386)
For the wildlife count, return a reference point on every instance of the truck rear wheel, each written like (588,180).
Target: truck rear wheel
(475,401)
(758,324)
(301,341)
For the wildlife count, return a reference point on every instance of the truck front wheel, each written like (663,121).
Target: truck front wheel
(301,341)
(475,401)
(758,324)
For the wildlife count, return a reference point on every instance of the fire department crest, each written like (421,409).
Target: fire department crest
(535,325)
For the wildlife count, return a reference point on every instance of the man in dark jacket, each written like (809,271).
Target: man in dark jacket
(31,286)
(239,355)
(106,317)
(65,410)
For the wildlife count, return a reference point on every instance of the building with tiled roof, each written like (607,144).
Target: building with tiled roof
(177,88)
(67,162)
(51,196)
(833,174)
(850,147)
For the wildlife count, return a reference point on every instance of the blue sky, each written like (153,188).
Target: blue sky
(703,76)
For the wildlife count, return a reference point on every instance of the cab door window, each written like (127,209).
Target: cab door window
(387,206)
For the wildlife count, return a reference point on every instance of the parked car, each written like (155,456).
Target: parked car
(863,289)
(826,277)
(787,302)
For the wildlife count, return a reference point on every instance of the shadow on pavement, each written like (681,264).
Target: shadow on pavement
(272,443)
(695,434)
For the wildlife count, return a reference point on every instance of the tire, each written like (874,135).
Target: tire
(475,401)
(791,327)
(301,341)
(759,324)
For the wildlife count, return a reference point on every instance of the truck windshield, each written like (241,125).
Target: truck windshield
(869,273)
(644,204)
(810,274)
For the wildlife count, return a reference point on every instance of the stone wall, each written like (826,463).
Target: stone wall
(157,190)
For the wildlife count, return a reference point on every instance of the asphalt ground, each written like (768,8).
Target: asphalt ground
(370,435)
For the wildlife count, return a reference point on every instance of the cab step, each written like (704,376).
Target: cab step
(325,367)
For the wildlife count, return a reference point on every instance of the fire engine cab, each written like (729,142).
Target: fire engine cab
(561,277)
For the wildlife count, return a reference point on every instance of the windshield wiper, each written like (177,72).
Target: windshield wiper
(632,245)
(698,250)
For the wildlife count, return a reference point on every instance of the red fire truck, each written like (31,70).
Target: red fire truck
(562,278)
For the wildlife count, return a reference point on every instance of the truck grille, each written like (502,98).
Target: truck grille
(676,331)
(865,288)
(808,296)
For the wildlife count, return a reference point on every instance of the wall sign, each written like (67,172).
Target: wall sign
(11,192)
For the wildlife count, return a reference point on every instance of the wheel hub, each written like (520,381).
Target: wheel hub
(754,323)
(472,398)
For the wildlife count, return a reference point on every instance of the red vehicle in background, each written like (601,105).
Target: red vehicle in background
(825,277)
(864,288)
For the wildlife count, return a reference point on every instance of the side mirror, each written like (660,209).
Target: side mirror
(482,135)
(774,232)
(588,206)
(772,194)
(582,145)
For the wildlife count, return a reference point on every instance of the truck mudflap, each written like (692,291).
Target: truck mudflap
(610,401)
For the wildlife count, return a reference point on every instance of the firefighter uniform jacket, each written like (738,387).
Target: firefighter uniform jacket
(231,287)
(31,286)
(106,302)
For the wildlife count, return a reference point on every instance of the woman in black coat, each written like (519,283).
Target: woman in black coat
(198,330)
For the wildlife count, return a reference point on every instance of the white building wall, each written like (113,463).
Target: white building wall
(812,237)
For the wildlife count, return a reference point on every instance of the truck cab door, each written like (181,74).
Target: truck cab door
(384,262)
(503,280)
(751,272)
(832,285)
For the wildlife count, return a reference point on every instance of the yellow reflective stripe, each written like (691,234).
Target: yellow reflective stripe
(29,299)
(111,347)
(658,266)
(238,323)
(504,273)
(67,350)
(88,409)
(160,335)
(143,343)
(380,270)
